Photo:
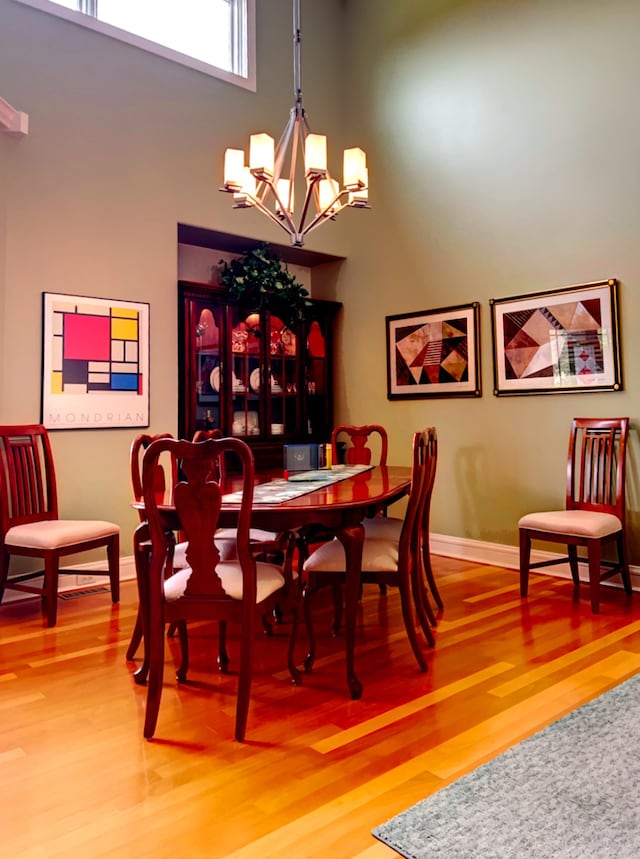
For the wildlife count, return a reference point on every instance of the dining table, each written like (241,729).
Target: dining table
(339,507)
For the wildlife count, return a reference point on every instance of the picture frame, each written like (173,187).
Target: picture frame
(434,353)
(95,362)
(559,341)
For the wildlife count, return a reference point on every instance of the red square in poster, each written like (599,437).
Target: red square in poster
(86,337)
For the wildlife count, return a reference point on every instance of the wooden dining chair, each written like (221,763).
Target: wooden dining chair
(238,591)
(165,478)
(30,524)
(594,515)
(389,528)
(350,445)
(393,560)
(355,444)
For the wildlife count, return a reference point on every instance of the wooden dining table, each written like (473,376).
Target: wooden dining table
(339,508)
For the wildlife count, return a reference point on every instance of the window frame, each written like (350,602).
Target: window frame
(246,80)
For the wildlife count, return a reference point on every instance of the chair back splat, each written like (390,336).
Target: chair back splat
(29,519)
(595,510)
(357,441)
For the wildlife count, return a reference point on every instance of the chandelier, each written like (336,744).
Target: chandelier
(268,181)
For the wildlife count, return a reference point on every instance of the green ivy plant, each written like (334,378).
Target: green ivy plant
(259,281)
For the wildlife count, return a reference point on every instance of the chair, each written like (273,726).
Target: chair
(351,443)
(163,488)
(392,560)
(595,507)
(238,591)
(30,524)
(165,479)
(389,528)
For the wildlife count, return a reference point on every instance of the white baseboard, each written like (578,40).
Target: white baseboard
(83,577)
(475,551)
(499,555)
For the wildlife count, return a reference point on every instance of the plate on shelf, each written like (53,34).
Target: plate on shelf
(214,378)
(254,379)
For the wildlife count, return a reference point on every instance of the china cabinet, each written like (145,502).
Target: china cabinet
(251,375)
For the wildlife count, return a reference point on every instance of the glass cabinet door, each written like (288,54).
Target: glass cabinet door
(204,370)
(246,380)
(317,382)
(284,379)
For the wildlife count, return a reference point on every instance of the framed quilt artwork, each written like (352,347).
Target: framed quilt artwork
(95,356)
(434,353)
(563,341)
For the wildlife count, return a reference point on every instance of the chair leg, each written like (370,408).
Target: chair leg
(409,624)
(154,640)
(622,560)
(294,606)
(51,563)
(525,552)
(244,683)
(593,550)
(307,593)
(113,556)
(336,589)
(421,602)
(223,656)
(4,571)
(431,581)
(572,552)
(181,673)
(136,637)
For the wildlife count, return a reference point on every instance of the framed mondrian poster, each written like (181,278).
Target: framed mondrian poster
(95,358)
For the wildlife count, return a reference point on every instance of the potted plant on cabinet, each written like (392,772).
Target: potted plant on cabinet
(259,281)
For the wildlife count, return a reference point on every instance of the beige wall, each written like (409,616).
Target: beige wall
(503,149)
(123,145)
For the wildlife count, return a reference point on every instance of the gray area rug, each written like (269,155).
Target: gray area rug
(571,791)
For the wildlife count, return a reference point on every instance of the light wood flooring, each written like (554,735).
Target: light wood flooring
(318,771)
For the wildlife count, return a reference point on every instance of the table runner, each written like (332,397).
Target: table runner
(279,490)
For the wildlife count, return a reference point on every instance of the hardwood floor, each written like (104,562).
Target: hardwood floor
(318,770)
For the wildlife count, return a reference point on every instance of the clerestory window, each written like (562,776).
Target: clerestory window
(214,36)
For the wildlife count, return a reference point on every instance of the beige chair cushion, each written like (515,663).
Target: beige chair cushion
(382,528)
(377,556)
(255,534)
(58,533)
(575,523)
(269,580)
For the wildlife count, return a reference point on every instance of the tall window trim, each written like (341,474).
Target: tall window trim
(243,44)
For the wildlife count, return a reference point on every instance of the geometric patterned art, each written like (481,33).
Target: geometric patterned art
(562,339)
(95,362)
(434,353)
(565,340)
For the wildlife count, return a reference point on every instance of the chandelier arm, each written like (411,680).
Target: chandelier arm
(311,183)
(325,214)
(289,227)
(283,143)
